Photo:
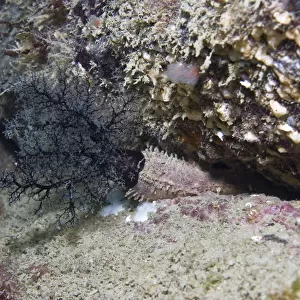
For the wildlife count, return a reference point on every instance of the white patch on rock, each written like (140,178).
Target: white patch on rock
(143,210)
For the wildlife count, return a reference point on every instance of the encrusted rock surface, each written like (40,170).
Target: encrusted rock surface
(239,105)
(245,106)
(207,247)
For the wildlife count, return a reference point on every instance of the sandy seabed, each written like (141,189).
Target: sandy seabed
(205,247)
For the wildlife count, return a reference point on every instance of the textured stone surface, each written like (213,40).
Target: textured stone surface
(205,247)
(245,106)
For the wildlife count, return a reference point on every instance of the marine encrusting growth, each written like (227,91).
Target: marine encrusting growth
(209,86)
